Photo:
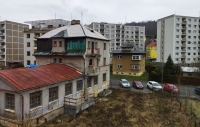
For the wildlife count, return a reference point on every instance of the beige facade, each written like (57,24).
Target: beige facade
(11,42)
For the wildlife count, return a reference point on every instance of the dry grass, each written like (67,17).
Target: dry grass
(129,109)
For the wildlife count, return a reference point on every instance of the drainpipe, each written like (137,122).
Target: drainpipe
(22,103)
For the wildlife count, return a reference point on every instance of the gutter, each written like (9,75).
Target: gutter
(22,103)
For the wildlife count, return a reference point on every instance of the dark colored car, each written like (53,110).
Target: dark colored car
(170,88)
(197,90)
(137,85)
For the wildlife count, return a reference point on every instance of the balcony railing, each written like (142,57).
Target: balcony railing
(183,56)
(183,45)
(93,51)
(184,27)
(92,70)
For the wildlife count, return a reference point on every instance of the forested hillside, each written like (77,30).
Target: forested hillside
(150,27)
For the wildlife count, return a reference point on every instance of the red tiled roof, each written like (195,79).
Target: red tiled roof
(152,44)
(29,78)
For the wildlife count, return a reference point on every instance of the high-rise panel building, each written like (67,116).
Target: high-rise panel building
(11,42)
(179,36)
(120,34)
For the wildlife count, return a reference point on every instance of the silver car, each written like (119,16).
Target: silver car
(124,83)
(154,85)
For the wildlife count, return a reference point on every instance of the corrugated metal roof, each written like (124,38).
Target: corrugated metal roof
(74,31)
(29,78)
(127,52)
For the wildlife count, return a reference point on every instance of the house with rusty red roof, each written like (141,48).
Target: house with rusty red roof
(73,68)
(37,92)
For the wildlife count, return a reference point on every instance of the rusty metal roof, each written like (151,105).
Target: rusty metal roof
(30,78)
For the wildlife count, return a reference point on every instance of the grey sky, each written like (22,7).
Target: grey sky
(112,11)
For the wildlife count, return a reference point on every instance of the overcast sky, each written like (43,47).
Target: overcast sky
(112,11)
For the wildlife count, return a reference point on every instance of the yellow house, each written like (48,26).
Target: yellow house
(151,50)
(128,61)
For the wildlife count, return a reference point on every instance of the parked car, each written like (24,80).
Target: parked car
(154,85)
(137,85)
(197,90)
(124,83)
(170,88)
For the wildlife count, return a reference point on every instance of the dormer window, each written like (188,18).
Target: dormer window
(55,44)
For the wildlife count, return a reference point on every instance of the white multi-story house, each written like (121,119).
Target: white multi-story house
(119,34)
(38,28)
(179,36)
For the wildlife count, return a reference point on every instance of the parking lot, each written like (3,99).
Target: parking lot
(184,90)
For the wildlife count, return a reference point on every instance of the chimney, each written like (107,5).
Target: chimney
(74,22)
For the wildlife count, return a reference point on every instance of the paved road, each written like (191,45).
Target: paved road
(184,90)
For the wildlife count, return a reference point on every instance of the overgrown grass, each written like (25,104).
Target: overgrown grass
(143,77)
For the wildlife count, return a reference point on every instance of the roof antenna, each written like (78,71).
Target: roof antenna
(82,17)
(55,15)
(71,16)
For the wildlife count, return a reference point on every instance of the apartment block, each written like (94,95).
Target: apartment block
(11,42)
(37,29)
(120,34)
(179,36)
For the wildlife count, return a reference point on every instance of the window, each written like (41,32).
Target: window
(194,53)
(53,93)
(10,101)
(90,62)
(28,62)
(177,30)
(88,44)
(189,20)
(177,42)
(89,82)
(95,80)
(35,99)
(177,19)
(54,60)
(195,26)
(136,57)
(189,42)
(177,48)
(104,46)
(194,31)
(188,59)
(119,66)
(189,37)
(119,56)
(27,35)
(195,37)
(55,43)
(104,61)
(189,31)
(104,77)
(68,89)
(60,43)
(60,60)
(188,54)
(189,25)
(177,25)
(195,20)
(34,62)
(194,48)
(28,53)
(177,36)
(135,67)
(177,53)
(79,85)
(176,59)
(28,44)
(188,48)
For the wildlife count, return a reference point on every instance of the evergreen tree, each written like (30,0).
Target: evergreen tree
(169,68)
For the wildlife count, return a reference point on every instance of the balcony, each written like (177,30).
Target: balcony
(1,40)
(183,45)
(184,22)
(183,56)
(184,27)
(93,51)
(184,32)
(183,50)
(183,39)
(92,71)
